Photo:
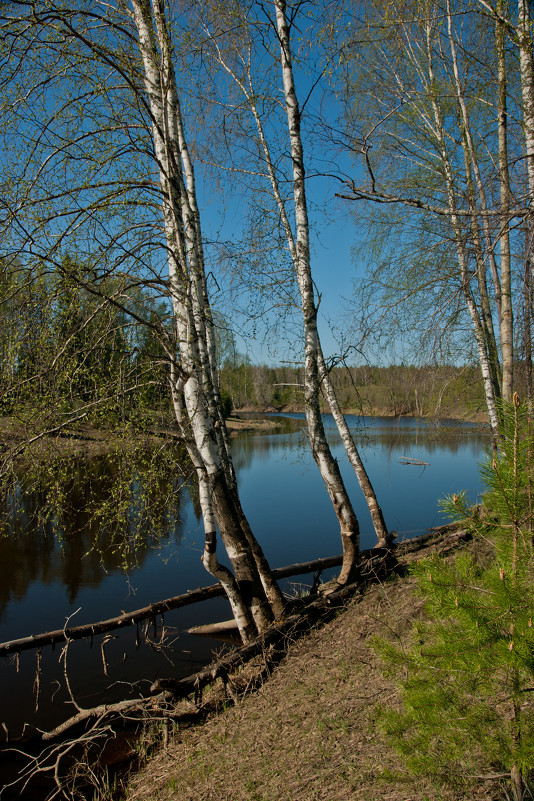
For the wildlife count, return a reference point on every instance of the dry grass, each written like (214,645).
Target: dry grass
(309,732)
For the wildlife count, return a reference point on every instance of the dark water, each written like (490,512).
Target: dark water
(77,567)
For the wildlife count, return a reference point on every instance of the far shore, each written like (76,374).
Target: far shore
(87,439)
(474,417)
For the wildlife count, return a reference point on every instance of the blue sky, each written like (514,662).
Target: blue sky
(224,215)
(334,270)
(223,129)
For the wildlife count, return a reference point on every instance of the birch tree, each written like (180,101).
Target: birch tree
(316,373)
(253,41)
(456,151)
(124,56)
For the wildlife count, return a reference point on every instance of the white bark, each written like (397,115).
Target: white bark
(422,60)
(524,34)
(439,132)
(527,95)
(501,283)
(379,524)
(199,415)
(506,311)
(301,248)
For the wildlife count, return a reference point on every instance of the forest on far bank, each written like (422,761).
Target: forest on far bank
(394,390)
(65,352)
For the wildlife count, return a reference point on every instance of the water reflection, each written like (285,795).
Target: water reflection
(289,509)
(106,534)
(385,433)
(88,518)
(73,525)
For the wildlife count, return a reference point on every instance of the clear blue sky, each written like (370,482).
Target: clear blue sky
(228,122)
(334,270)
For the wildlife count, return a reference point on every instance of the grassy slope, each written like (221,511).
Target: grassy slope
(309,732)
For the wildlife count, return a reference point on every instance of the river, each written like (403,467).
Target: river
(75,569)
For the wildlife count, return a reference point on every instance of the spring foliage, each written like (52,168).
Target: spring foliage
(468,672)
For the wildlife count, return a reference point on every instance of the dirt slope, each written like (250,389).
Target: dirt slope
(309,732)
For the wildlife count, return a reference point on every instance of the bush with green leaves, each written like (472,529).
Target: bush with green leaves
(467,674)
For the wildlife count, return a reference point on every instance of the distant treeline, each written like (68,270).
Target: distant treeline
(431,391)
(72,344)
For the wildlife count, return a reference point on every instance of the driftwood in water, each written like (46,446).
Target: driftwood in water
(376,564)
(417,462)
(445,535)
(120,621)
(226,631)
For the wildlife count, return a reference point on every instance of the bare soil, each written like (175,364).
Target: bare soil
(309,732)
(17,437)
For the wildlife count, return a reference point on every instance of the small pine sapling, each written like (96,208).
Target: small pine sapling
(467,674)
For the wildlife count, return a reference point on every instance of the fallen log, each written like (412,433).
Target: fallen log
(151,611)
(120,621)
(376,565)
(442,535)
(417,462)
(105,710)
(195,596)
(226,631)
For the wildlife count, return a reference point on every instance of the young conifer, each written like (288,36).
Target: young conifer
(468,673)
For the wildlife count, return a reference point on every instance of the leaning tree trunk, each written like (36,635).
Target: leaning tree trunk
(209,372)
(193,394)
(382,534)
(328,466)
(300,257)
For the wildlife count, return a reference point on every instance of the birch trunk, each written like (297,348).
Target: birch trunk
(328,466)
(382,534)
(246,626)
(506,312)
(313,371)
(527,90)
(485,363)
(527,323)
(192,228)
(486,317)
(502,296)
(197,411)
(524,35)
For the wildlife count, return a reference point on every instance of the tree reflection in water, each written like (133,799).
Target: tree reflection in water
(86,539)
(74,521)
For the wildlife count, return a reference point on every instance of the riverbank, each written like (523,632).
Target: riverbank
(291,408)
(86,439)
(309,732)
